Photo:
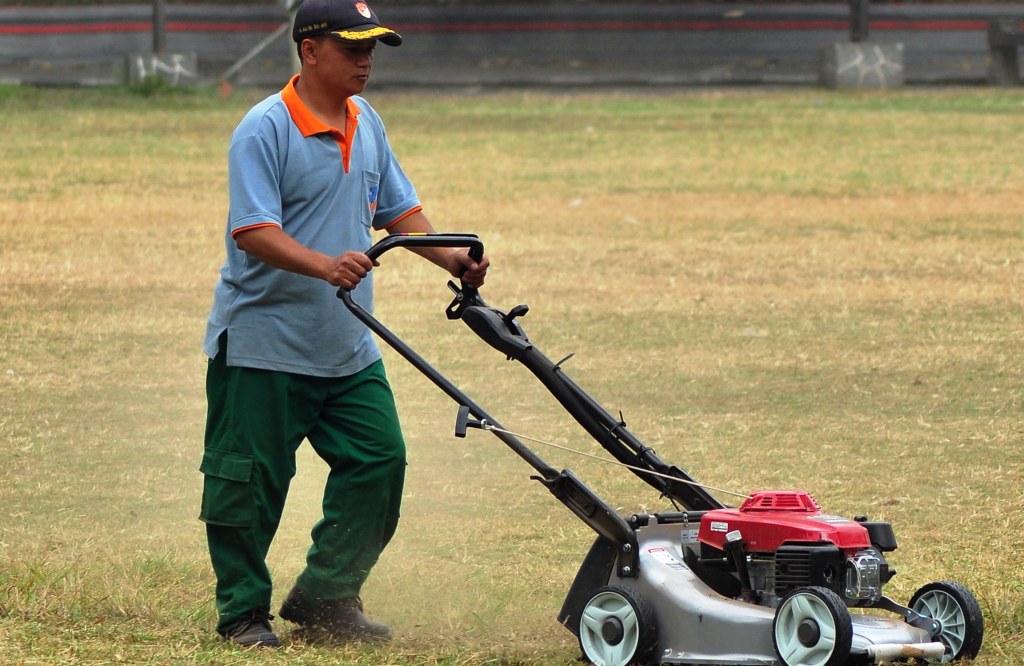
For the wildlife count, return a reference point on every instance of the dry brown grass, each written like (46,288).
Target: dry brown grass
(776,288)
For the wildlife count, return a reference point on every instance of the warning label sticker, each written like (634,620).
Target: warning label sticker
(665,557)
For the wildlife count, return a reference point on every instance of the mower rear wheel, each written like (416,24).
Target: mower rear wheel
(812,627)
(956,610)
(617,627)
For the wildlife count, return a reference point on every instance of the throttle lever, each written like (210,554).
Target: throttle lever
(517,311)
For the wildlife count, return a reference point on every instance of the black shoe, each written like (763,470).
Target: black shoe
(253,630)
(335,619)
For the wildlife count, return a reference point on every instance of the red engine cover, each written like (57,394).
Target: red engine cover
(770,518)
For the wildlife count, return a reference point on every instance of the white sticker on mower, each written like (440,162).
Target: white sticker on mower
(719,526)
(831,519)
(665,557)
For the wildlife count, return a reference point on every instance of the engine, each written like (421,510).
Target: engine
(780,540)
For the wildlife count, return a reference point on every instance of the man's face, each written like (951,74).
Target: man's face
(346,65)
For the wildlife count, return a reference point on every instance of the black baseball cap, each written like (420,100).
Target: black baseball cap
(347,20)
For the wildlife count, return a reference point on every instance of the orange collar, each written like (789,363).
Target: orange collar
(309,125)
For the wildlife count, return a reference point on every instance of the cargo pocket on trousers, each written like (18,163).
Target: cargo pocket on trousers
(227,491)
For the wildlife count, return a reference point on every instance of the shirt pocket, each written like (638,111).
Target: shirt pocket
(371,189)
(228,497)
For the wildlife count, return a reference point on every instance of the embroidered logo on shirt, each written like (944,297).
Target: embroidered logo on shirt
(373,198)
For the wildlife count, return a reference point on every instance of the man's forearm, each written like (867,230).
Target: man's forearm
(273,246)
(418,223)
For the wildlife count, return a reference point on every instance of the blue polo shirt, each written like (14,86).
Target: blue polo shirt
(328,188)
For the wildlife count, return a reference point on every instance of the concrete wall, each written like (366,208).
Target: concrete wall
(575,44)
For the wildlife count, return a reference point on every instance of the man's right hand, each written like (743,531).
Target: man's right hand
(271,245)
(347,270)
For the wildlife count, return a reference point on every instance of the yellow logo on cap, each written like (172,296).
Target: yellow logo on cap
(359,35)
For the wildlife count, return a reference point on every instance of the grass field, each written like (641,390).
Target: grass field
(777,288)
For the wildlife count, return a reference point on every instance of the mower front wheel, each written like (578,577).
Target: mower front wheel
(956,610)
(617,627)
(812,627)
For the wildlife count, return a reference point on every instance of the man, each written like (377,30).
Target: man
(311,174)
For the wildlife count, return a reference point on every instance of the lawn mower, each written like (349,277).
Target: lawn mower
(773,581)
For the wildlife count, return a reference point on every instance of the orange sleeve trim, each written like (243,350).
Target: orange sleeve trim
(254,226)
(401,217)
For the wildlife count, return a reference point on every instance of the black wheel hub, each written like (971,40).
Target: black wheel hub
(808,633)
(612,631)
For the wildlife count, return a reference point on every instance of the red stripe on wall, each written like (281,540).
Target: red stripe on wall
(211,26)
(926,26)
(529,26)
(694,25)
(74,28)
(622,26)
(138,26)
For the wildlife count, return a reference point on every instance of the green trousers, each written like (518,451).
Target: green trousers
(256,421)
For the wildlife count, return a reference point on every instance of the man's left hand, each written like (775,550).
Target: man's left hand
(462,266)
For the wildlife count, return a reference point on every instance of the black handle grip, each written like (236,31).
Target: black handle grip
(476,252)
(472,241)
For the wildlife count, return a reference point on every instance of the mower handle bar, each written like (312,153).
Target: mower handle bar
(472,241)
(414,240)
(563,485)
(476,252)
